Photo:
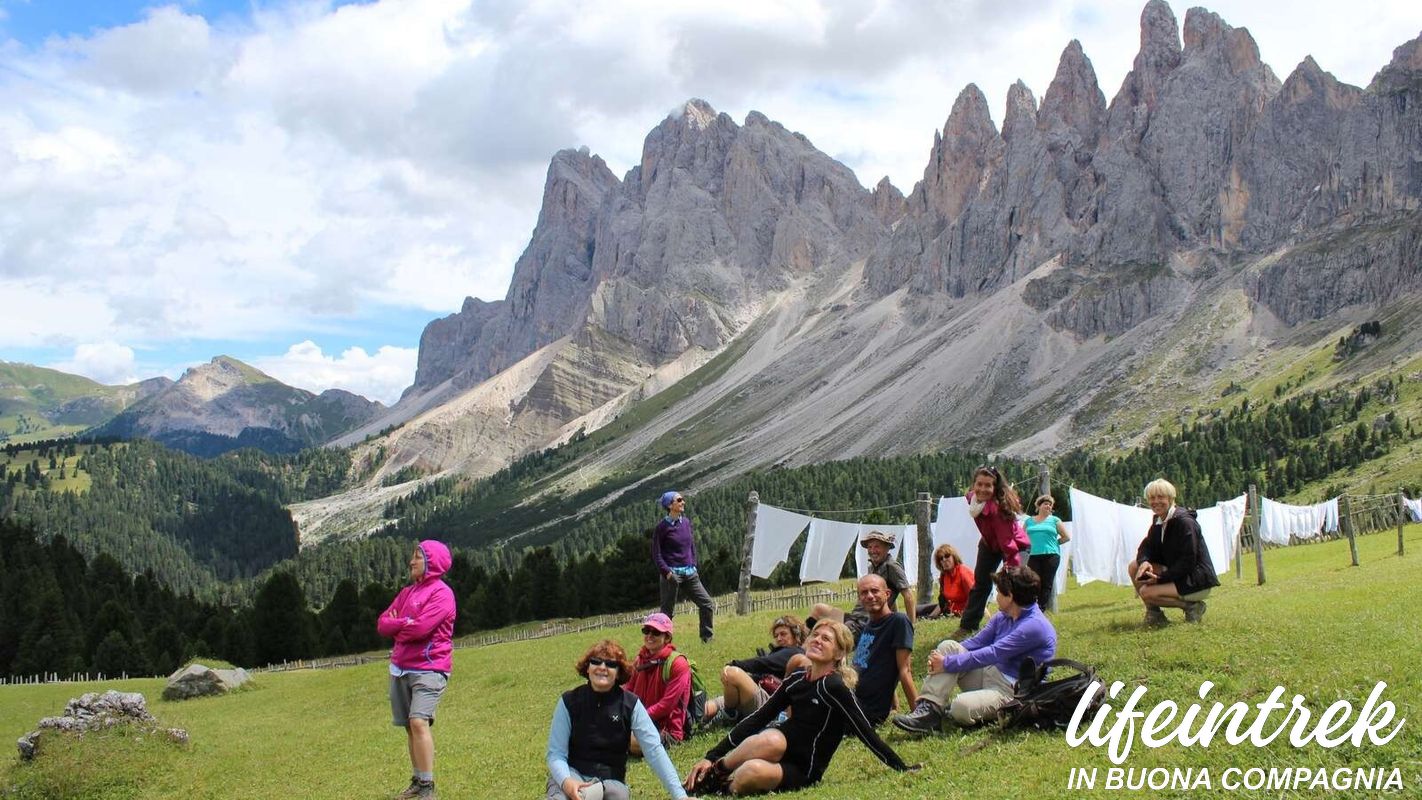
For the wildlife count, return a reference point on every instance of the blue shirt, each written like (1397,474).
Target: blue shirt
(1043,535)
(1005,641)
(642,728)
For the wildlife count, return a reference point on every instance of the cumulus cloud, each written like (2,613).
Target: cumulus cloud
(381,375)
(106,362)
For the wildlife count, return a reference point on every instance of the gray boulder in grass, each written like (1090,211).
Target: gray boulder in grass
(97,712)
(198,680)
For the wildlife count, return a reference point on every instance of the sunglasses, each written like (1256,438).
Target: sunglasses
(603,662)
(679,500)
(652,632)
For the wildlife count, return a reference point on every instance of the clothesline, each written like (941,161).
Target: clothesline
(850,510)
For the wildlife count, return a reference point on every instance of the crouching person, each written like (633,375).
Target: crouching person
(986,666)
(587,744)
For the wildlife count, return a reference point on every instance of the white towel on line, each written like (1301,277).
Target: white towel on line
(1105,535)
(826,547)
(1280,521)
(775,533)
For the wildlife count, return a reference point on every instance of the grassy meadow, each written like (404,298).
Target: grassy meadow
(1319,627)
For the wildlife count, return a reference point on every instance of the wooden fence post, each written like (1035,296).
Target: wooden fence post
(1401,519)
(1254,510)
(922,511)
(1345,521)
(743,604)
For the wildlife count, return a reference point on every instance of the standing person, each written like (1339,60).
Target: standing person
(955,580)
(674,551)
(1172,567)
(1048,534)
(747,683)
(882,563)
(986,666)
(421,621)
(755,757)
(994,506)
(882,652)
(665,699)
(587,742)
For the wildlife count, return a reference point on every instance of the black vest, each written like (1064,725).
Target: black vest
(601,730)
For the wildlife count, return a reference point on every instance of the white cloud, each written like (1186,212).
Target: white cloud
(306,168)
(106,362)
(379,376)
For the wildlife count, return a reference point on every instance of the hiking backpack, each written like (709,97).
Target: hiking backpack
(696,701)
(1050,704)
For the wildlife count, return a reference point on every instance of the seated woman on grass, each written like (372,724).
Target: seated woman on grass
(587,745)
(747,683)
(755,758)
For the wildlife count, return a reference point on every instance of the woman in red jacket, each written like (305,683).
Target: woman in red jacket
(955,580)
(1002,540)
(665,699)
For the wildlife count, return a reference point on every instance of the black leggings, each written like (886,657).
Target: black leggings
(988,562)
(1046,565)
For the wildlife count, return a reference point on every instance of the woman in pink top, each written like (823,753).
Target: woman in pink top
(421,621)
(1002,540)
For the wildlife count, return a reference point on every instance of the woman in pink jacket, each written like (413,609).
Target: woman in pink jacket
(994,506)
(421,621)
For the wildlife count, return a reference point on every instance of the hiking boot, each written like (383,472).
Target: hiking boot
(424,791)
(1155,617)
(1194,611)
(926,717)
(961,634)
(411,791)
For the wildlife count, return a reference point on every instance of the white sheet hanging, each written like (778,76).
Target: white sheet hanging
(826,547)
(1280,521)
(1218,542)
(955,526)
(1106,535)
(1233,513)
(1330,515)
(1414,506)
(775,533)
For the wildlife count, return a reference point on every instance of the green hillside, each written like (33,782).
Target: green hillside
(40,403)
(1319,628)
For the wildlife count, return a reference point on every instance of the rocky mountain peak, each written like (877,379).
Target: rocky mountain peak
(1398,74)
(1205,31)
(1309,81)
(219,376)
(1021,116)
(959,156)
(698,114)
(1073,101)
(889,203)
(1158,57)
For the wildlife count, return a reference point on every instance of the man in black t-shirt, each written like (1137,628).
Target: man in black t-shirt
(882,652)
(881,563)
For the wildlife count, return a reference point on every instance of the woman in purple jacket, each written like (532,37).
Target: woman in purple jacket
(674,552)
(421,621)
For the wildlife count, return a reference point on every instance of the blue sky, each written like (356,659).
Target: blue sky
(304,185)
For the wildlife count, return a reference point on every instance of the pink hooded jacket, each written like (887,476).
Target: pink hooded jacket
(421,617)
(1002,535)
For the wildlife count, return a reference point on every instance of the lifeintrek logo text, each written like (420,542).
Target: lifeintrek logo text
(1117,728)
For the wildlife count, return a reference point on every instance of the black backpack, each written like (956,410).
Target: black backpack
(1050,704)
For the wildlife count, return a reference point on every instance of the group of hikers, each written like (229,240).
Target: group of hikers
(834,674)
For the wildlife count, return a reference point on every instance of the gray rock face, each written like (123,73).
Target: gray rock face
(198,680)
(98,712)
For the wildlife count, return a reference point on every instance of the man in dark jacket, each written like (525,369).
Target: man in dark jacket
(1172,567)
(748,682)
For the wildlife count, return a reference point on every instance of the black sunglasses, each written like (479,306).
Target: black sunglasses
(651,631)
(603,662)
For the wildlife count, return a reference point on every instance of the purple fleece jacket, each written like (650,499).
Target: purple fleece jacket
(672,544)
(421,617)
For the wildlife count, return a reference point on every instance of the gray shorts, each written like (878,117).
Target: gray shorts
(414,695)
